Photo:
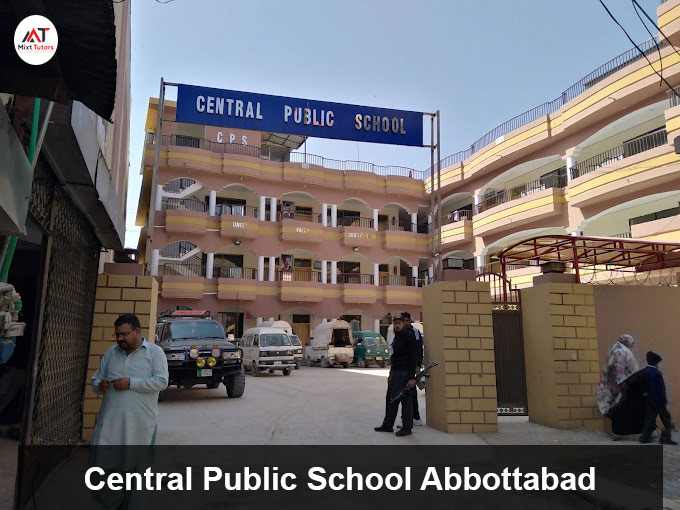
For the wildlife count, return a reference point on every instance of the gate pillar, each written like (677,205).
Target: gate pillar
(116,294)
(561,355)
(461,391)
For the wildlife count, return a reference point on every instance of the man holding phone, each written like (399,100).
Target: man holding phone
(131,374)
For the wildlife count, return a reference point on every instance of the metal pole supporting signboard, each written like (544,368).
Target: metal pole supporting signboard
(434,248)
(440,268)
(154,175)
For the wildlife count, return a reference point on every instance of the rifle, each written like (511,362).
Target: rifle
(420,382)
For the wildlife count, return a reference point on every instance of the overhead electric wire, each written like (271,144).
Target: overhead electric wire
(658,47)
(655,26)
(670,87)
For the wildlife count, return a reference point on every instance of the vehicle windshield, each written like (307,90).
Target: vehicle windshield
(273,340)
(373,340)
(295,340)
(195,329)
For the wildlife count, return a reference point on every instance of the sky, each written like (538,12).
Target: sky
(480,62)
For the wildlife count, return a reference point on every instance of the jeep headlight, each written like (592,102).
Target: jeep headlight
(298,351)
(231,354)
(176,356)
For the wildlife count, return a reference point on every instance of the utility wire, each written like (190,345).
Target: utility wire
(670,87)
(658,47)
(656,26)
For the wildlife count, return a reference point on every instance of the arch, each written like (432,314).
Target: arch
(615,220)
(179,184)
(391,258)
(354,200)
(399,205)
(294,194)
(506,241)
(525,172)
(459,254)
(355,257)
(454,198)
(238,187)
(622,125)
(179,250)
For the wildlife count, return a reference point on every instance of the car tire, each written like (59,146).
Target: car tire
(345,365)
(383,364)
(235,384)
(309,362)
(162,395)
(361,363)
(286,371)
(254,369)
(297,365)
(324,363)
(212,385)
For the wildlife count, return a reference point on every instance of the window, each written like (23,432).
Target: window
(274,340)
(300,319)
(666,213)
(302,263)
(256,340)
(349,267)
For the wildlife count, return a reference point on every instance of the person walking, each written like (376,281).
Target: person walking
(620,365)
(656,402)
(131,374)
(408,324)
(402,373)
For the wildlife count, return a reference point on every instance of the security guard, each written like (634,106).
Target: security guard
(419,363)
(402,373)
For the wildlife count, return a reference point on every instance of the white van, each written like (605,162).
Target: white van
(267,349)
(296,345)
(330,344)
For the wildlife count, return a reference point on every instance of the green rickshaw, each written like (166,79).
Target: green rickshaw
(370,347)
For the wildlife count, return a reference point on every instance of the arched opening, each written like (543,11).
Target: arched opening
(395,216)
(397,271)
(355,212)
(459,259)
(296,266)
(181,258)
(646,217)
(235,261)
(237,200)
(184,194)
(355,268)
(299,206)
(302,321)
(456,207)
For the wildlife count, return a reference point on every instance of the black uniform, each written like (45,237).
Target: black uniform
(419,363)
(403,367)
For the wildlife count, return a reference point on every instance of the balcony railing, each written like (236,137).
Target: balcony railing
(506,195)
(395,279)
(355,221)
(236,210)
(455,216)
(183,204)
(623,235)
(355,278)
(293,157)
(299,275)
(178,185)
(246,273)
(607,69)
(310,217)
(397,226)
(630,148)
(181,269)
(177,250)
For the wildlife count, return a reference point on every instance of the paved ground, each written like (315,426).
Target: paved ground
(326,406)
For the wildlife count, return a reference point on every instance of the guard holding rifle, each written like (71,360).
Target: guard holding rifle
(402,373)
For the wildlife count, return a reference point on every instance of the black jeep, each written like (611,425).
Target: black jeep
(198,352)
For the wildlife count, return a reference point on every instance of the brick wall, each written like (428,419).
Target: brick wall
(461,394)
(116,294)
(561,350)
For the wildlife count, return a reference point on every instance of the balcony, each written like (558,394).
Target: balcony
(357,231)
(304,227)
(185,215)
(524,204)
(301,285)
(239,221)
(182,280)
(456,229)
(404,235)
(641,163)
(358,288)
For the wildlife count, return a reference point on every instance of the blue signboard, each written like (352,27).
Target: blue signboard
(261,112)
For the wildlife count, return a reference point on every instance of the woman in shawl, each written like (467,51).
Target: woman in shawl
(619,397)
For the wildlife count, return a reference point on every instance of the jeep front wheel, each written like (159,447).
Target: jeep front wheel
(235,384)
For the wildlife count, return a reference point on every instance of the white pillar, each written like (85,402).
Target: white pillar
(430,272)
(414,222)
(334,215)
(271,319)
(376,325)
(155,255)
(375,219)
(414,275)
(212,200)
(571,163)
(258,321)
(324,215)
(159,197)
(324,271)
(376,274)
(272,209)
(209,263)
(262,211)
(260,268)
(334,272)
(480,261)
(272,268)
